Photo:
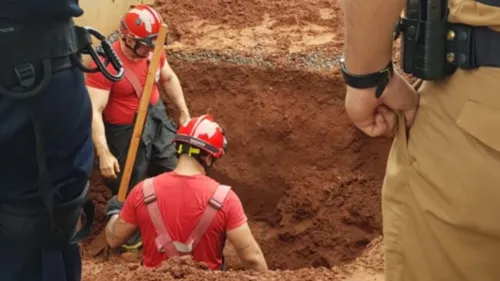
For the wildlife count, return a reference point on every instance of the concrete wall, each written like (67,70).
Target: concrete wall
(104,15)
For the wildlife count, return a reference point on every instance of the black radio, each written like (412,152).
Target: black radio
(424,42)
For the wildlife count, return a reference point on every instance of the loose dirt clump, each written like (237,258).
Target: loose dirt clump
(184,269)
(308,180)
(366,268)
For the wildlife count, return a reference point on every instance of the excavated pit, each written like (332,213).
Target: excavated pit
(308,180)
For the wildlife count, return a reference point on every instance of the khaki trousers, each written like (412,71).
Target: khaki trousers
(441,193)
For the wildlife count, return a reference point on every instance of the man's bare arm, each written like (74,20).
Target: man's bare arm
(369,27)
(99,99)
(118,231)
(247,248)
(173,88)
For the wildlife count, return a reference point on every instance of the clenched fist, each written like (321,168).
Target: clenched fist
(377,117)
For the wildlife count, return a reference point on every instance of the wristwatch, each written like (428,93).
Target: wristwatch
(378,79)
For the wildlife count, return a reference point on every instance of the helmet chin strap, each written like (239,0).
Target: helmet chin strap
(134,49)
(186,149)
(202,162)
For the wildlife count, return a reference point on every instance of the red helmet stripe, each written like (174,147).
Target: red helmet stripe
(155,14)
(196,125)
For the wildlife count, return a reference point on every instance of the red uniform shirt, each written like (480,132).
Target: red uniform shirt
(182,200)
(123,101)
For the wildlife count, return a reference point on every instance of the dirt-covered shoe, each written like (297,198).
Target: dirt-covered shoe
(131,253)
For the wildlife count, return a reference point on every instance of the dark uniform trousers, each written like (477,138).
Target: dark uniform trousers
(63,111)
(156,153)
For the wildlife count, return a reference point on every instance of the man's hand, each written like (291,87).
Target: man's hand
(109,165)
(401,96)
(118,231)
(184,117)
(371,23)
(377,117)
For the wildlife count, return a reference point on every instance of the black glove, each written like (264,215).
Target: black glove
(114,206)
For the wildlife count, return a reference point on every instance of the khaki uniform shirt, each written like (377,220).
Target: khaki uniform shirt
(472,12)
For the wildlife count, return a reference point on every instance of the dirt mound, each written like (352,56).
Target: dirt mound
(371,262)
(366,268)
(255,25)
(246,13)
(187,270)
(240,13)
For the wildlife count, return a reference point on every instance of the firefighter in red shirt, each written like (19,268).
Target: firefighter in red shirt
(185,212)
(115,105)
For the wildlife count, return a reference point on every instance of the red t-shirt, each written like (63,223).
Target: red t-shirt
(123,101)
(182,200)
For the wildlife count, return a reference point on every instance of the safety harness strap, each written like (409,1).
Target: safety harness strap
(133,79)
(214,205)
(163,240)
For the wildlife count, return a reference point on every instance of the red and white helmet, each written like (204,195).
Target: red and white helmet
(204,133)
(142,23)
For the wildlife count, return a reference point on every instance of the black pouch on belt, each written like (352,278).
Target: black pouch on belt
(433,49)
(424,40)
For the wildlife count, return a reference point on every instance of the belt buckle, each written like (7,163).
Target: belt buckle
(25,74)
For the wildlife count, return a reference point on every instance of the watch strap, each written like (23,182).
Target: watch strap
(378,79)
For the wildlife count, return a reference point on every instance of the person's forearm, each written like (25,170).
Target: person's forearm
(111,236)
(369,28)
(256,262)
(98,133)
(252,257)
(115,234)
(174,92)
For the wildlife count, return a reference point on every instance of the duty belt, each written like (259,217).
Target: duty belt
(28,74)
(466,47)
(471,47)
